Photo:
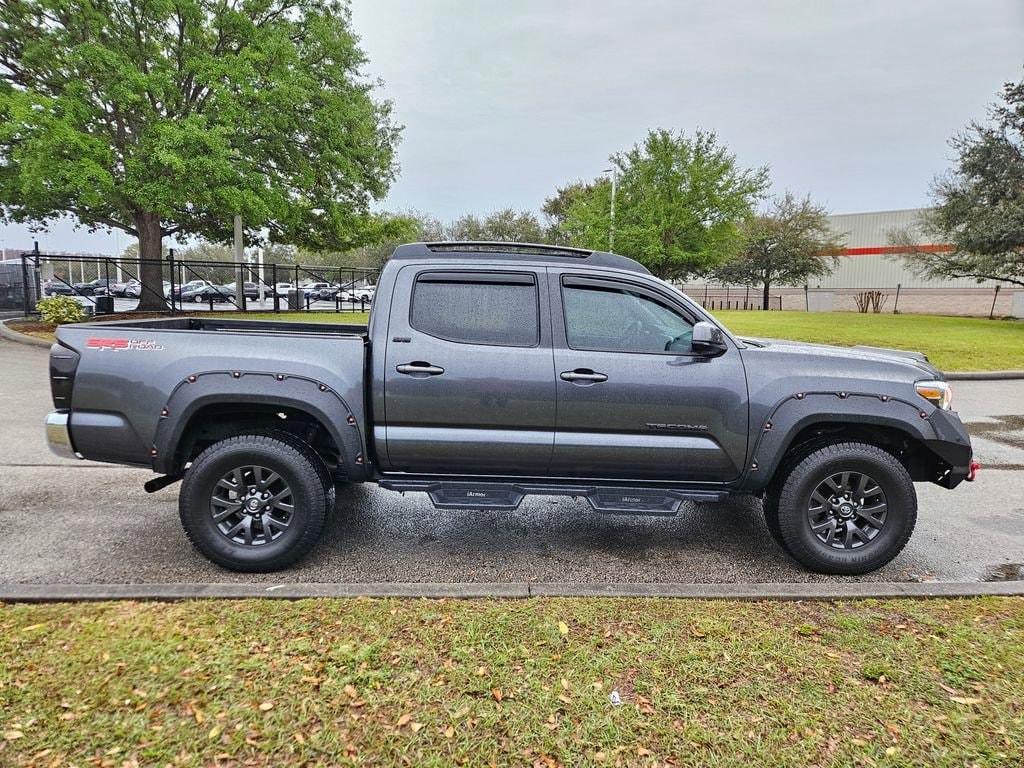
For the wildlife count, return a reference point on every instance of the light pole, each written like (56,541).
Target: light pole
(611,227)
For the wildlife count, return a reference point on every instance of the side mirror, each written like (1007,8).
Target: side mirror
(707,339)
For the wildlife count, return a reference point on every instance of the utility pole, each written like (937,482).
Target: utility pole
(611,228)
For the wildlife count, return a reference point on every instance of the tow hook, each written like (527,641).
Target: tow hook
(973,471)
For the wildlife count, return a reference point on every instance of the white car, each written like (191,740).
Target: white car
(313,290)
(281,289)
(134,289)
(364,294)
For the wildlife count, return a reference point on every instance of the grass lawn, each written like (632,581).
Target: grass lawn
(951,343)
(526,682)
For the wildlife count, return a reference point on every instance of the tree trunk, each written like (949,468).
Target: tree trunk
(151,274)
(766,298)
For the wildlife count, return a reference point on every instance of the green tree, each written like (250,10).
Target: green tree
(784,246)
(679,204)
(556,209)
(506,225)
(161,117)
(979,204)
(395,229)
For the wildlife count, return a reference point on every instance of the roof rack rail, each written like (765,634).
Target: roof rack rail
(499,251)
(486,246)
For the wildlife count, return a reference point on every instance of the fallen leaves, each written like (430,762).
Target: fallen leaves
(266,706)
(967,701)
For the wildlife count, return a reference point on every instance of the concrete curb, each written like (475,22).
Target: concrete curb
(983,375)
(49,593)
(21,338)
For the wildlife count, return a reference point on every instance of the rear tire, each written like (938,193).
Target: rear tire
(844,509)
(253,503)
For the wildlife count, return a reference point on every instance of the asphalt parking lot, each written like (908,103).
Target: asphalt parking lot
(79,522)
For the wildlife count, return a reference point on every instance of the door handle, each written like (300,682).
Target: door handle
(583,375)
(420,369)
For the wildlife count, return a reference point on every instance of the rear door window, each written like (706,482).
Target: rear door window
(499,309)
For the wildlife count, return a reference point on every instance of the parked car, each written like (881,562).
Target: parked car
(133,289)
(491,373)
(362,295)
(93,286)
(55,287)
(312,290)
(118,289)
(191,285)
(204,293)
(328,293)
(281,289)
(251,290)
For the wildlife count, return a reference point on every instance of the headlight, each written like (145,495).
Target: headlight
(938,393)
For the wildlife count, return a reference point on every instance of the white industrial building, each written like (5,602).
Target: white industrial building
(870,262)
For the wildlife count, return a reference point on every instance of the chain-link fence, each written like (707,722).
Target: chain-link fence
(982,301)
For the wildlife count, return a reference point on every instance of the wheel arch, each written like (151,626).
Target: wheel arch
(800,424)
(211,406)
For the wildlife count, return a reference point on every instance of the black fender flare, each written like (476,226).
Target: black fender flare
(301,393)
(794,413)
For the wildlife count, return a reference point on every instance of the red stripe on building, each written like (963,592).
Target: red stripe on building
(877,250)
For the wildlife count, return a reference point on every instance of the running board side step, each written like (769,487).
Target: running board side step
(453,494)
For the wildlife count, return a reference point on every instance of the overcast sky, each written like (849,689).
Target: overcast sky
(502,102)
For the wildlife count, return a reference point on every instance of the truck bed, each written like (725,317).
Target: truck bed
(131,386)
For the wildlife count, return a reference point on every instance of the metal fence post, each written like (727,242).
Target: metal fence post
(24,285)
(896,304)
(273,282)
(995,297)
(170,258)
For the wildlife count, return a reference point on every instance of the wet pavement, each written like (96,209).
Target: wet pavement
(79,522)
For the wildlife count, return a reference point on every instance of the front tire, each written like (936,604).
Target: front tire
(253,503)
(845,509)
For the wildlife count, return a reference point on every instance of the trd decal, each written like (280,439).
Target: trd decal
(117,345)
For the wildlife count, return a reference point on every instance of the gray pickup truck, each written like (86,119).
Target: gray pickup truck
(490,371)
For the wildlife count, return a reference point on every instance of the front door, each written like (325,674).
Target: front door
(469,383)
(633,401)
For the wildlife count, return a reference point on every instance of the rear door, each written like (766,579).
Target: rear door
(469,378)
(634,402)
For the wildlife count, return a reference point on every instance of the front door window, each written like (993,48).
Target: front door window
(607,319)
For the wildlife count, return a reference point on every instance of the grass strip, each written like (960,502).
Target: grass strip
(523,682)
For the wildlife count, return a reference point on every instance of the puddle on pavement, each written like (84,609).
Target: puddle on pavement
(1006,572)
(1008,430)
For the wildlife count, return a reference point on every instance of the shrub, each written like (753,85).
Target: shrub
(60,309)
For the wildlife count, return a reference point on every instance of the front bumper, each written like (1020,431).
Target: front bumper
(953,446)
(58,436)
